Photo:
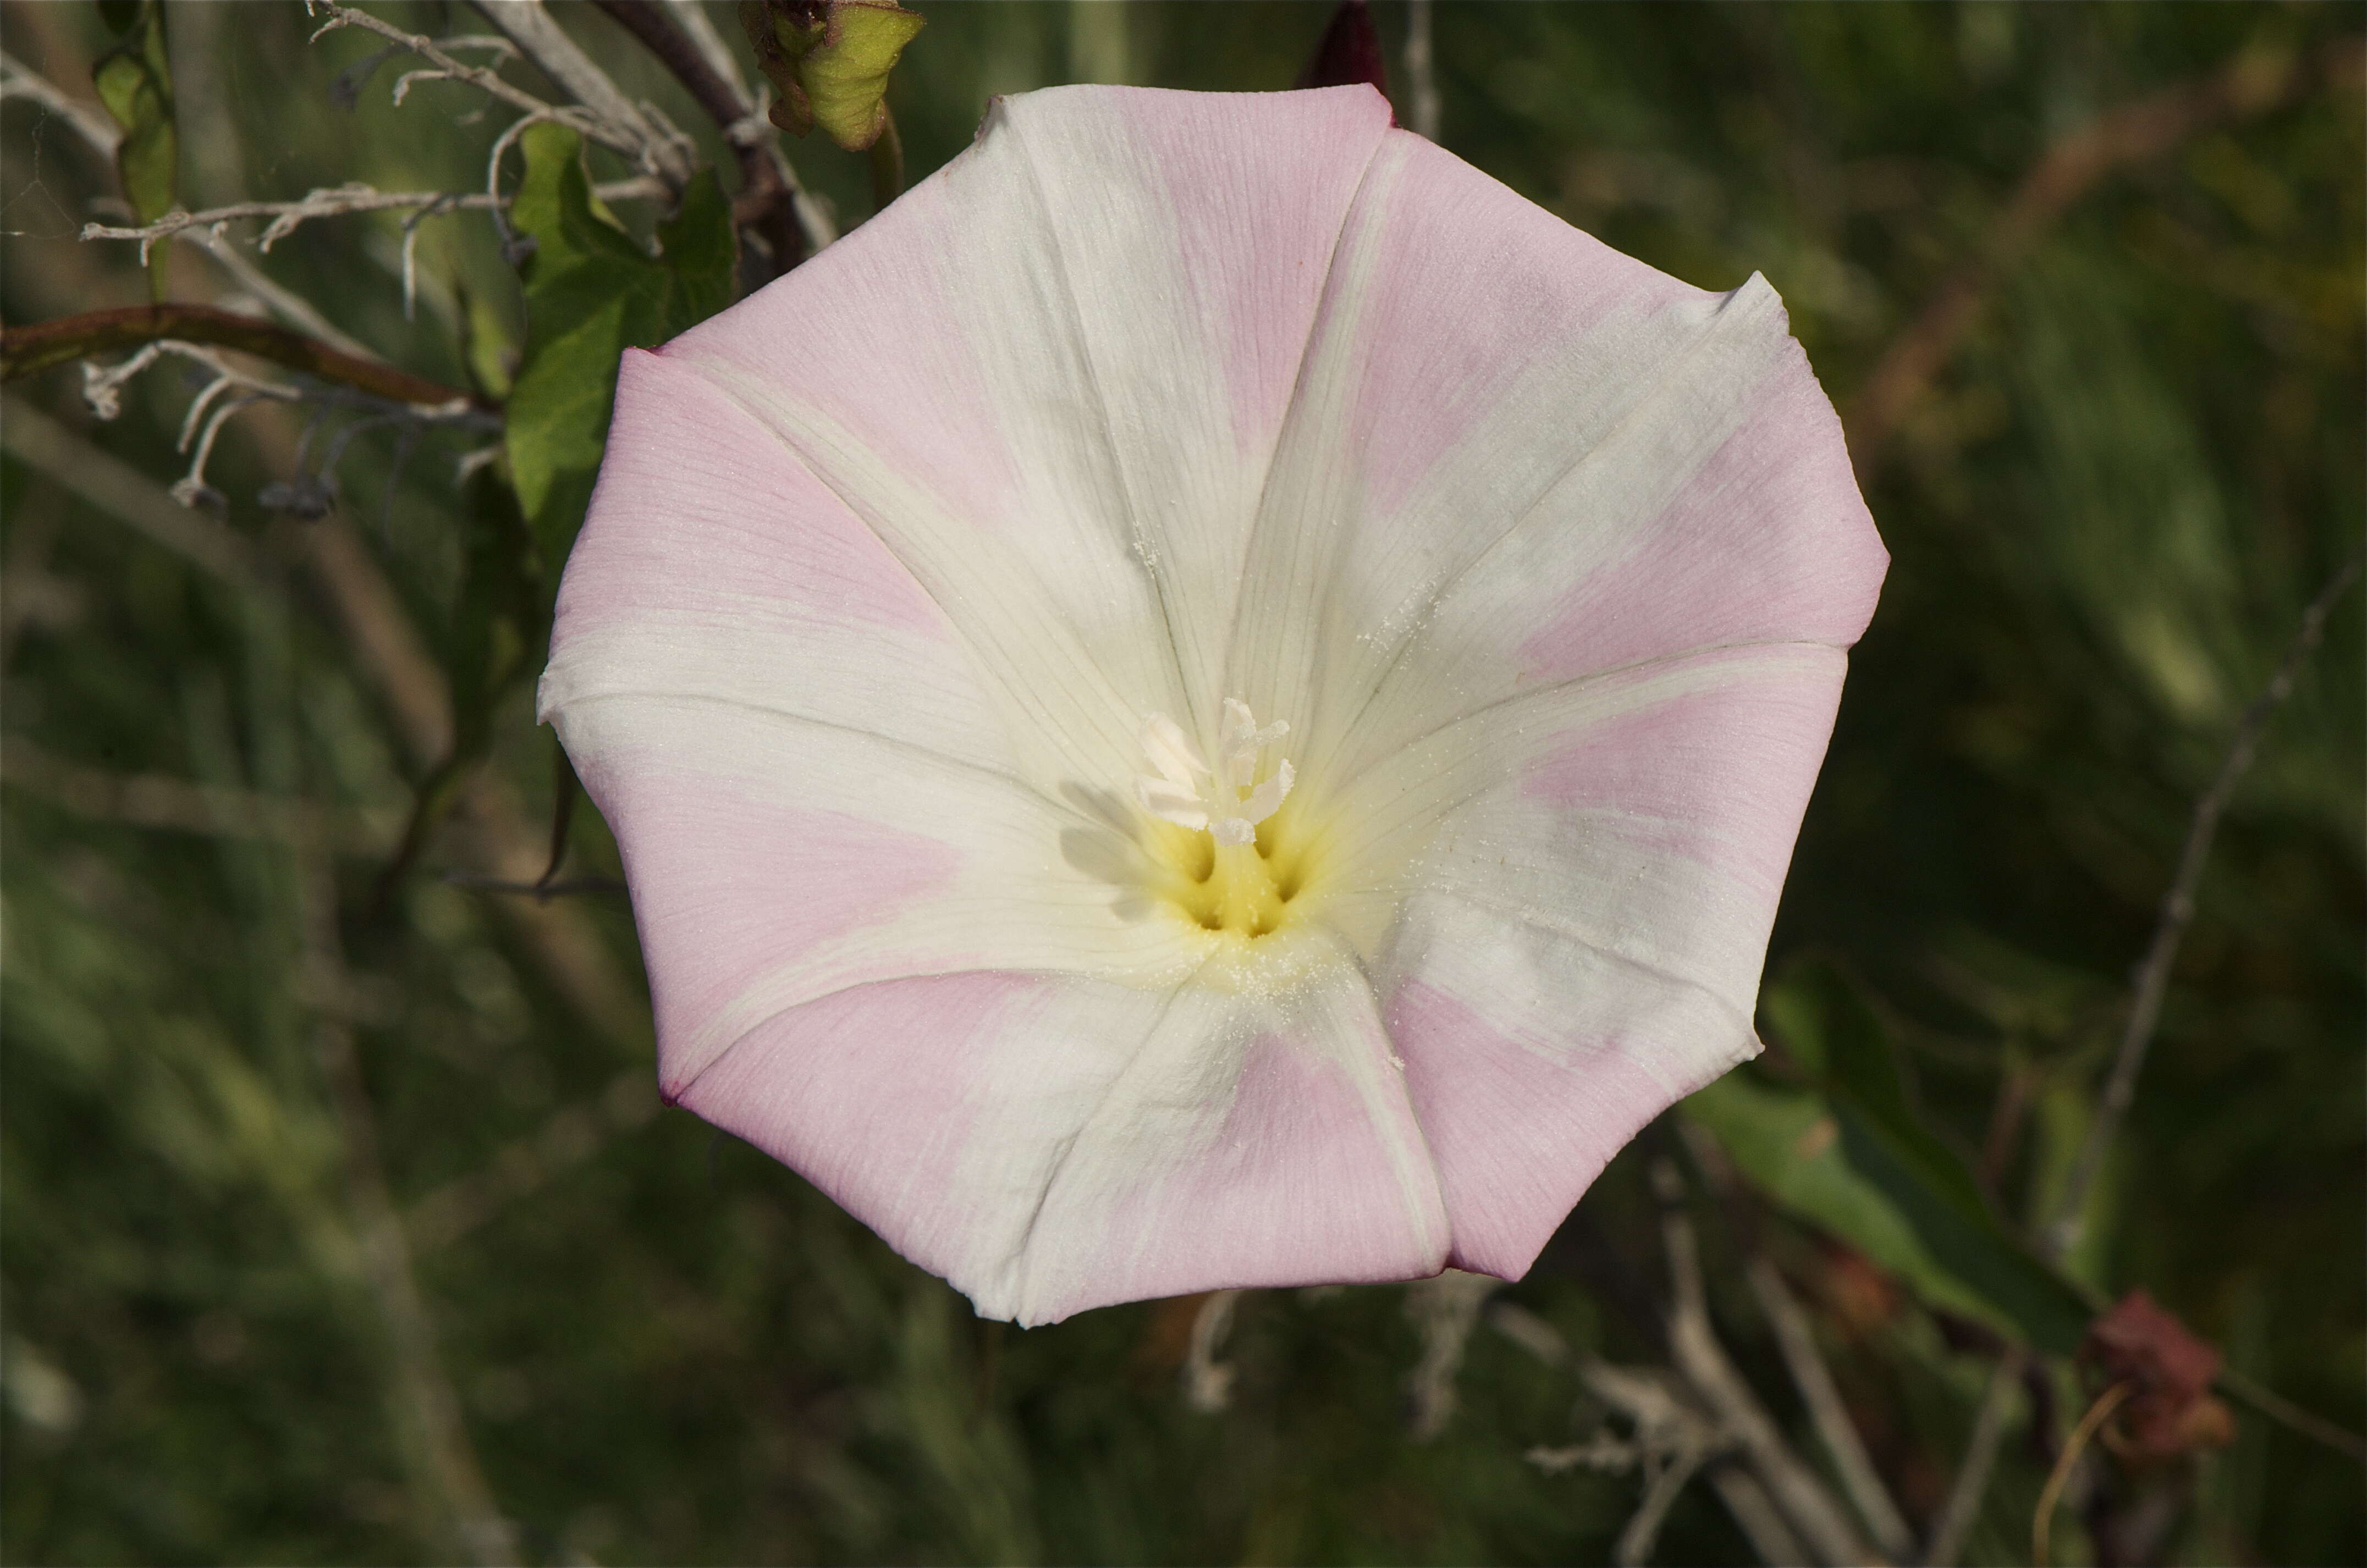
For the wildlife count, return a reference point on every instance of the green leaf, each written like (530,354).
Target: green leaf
(591,293)
(134,80)
(829,62)
(1850,1155)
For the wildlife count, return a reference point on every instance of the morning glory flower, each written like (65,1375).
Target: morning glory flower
(1211,699)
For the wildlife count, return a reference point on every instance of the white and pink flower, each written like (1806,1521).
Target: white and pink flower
(1211,699)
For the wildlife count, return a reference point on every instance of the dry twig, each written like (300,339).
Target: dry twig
(1834,1428)
(2152,976)
(655,145)
(366,612)
(1421,71)
(445,67)
(180,806)
(1208,1382)
(1802,1499)
(2151,985)
(202,230)
(2042,1520)
(90,122)
(1445,1309)
(27,350)
(338,201)
(1756,1514)
(122,491)
(1964,1504)
(771,201)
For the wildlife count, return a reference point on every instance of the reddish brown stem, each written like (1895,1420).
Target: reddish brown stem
(764,202)
(26,350)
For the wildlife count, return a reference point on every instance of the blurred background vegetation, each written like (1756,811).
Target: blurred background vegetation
(326,1229)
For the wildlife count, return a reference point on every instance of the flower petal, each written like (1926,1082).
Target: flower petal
(1149,402)
(1570,896)
(712,567)
(773,860)
(1051,378)
(1583,464)
(1050,1145)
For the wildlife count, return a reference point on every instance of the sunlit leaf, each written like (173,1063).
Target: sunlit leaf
(829,59)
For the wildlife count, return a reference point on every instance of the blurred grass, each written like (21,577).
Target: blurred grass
(2135,467)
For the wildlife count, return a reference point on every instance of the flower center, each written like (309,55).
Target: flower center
(1224,856)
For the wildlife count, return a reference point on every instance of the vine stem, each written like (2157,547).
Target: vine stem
(2041,1522)
(27,350)
(2153,971)
(766,202)
(1963,1501)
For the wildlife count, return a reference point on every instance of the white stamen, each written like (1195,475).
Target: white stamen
(1242,739)
(1171,750)
(1267,799)
(1176,795)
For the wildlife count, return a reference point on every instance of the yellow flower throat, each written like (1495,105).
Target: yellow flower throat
(1245,890)
(1223,843)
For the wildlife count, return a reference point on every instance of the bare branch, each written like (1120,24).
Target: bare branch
(1964,1504)
(1694,1347)
(338,201)
(1208,1382)
(288,305)
(18,80)
(2178,911)
(1529,1331)
(333,201)
(1839,1433)
(692,17)
(1634,1543)
(180,806)
(27,350)
(529,26)
(1445,1308)
(2042,1520)
(1601,1451)
(366,611)
(654,26)
(1756,1514)
(1673,1439)
(2285,1413)
(609,135)
(766,202)
(1421,71)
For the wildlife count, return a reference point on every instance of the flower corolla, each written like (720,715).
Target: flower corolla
(1211,699)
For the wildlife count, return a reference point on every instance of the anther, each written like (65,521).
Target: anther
(1188,793)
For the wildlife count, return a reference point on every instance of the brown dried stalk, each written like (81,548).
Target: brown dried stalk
(25,351)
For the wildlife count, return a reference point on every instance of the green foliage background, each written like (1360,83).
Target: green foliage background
(2139,462)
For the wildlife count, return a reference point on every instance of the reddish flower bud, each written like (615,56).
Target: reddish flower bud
(2169,1410)
(1348,52)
